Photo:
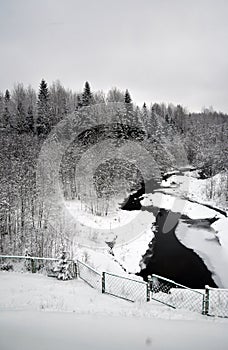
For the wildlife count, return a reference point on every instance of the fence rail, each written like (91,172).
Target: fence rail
(26,257)
(26,264)
(176,295)
(32,264)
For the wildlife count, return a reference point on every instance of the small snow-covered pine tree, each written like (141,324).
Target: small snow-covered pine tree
(63,268)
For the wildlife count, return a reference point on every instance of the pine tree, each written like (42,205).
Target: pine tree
(7,95)
(43,125)
(145,117)
(6,113)
(63,268)
(127,97)
(1,107)
(87,95)
(130,116)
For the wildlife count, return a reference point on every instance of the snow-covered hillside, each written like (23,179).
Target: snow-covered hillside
(43,313)
(33,292)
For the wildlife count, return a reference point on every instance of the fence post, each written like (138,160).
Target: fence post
(148,288)
(153,283)
(75,269)
(206,301)
(103,282)
(33,266)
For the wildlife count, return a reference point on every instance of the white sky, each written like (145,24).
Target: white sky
(161,50)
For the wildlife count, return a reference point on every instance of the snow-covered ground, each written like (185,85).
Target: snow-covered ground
(126,256)
(115,218)
(41,313)
(211,243)
(208,191)
(57,331)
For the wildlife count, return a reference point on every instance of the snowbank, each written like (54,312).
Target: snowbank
(40,313)
(208,191)
(33,292)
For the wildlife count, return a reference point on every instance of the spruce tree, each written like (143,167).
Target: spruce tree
(7,96)
(127,97)
(62,270)
(43,124)
(87,95)
(130,116)
(6,113)
(145,118)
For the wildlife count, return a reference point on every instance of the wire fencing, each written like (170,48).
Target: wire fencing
(124,287)
(26,264)
(211,301)
(89,275)
(176,295)
(216,302)
(32,264)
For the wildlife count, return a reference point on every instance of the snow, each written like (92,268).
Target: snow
(47,331)
(42,313)
(93,231)
(34,292)
(126,256)
(178,205)
(211,243)
(190,186)
(131,253)
(220,227)
(116,217)
(133,228)
(100,260)
(206,245)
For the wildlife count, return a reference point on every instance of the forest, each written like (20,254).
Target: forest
(171,134)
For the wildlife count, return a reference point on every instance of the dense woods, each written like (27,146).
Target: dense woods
(170,133)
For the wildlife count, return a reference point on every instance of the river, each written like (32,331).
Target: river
(166,255)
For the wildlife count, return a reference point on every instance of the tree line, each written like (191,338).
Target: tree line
(28,117)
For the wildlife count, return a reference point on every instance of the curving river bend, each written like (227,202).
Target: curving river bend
(171,253)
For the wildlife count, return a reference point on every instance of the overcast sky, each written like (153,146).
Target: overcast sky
(161,50)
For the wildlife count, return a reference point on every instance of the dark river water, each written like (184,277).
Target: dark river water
(166,255)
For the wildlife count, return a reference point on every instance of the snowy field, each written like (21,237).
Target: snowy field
(41,313)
